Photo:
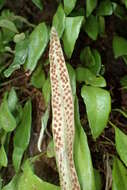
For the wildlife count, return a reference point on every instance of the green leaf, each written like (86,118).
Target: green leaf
(119,46)
(119,175)
(96,68)
(12,100)
(69,37)
(105,8)
(85,75)
(121,144)
(59,20)
(4,23)
(46,91)
(101,23)
(30,181)
(7,121)
(87,57)
(38,77)
(91,58)
(12,185)
(37,44)
(91,27)
(69,6)
(82,155)
(21,52)
(90,6)
(2,2)
(3,157)
(22,135)
(98,180)
(98,106)
(38,3)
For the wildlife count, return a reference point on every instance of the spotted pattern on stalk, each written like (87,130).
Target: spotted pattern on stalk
(63,115)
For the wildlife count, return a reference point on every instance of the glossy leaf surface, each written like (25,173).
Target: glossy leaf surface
(90,6)
(21,52)
(119,46)
(7,120)
(4,23)
(29,181)
(121,144)
(22,135)
(37,44)
(85,75)
(72,29)
(82,155)
(91,27)
(98,106)
(105,8)
(68,6)
(119,175)
(59,20)
(38,77)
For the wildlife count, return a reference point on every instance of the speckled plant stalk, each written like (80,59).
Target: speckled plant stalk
(63,115)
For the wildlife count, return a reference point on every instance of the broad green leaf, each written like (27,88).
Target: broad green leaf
(12,100)
(87,57)
(97,67)
(12,185)
(37,44)
(22,135)
(29,181)
(38,3)
(105,8)
(98,106)
(69,37)
(119,175)
(7,121)
(98,180)
(91,58)
(72,76)
(69,6)
(3,157)
(38,77)
(85,75)
(121,144)
(59,20)
(92,27)
(46,91)
(4,23)
(82,155)
(119,46)
(90,6)
(50,149)
(101,23)
(21,52)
